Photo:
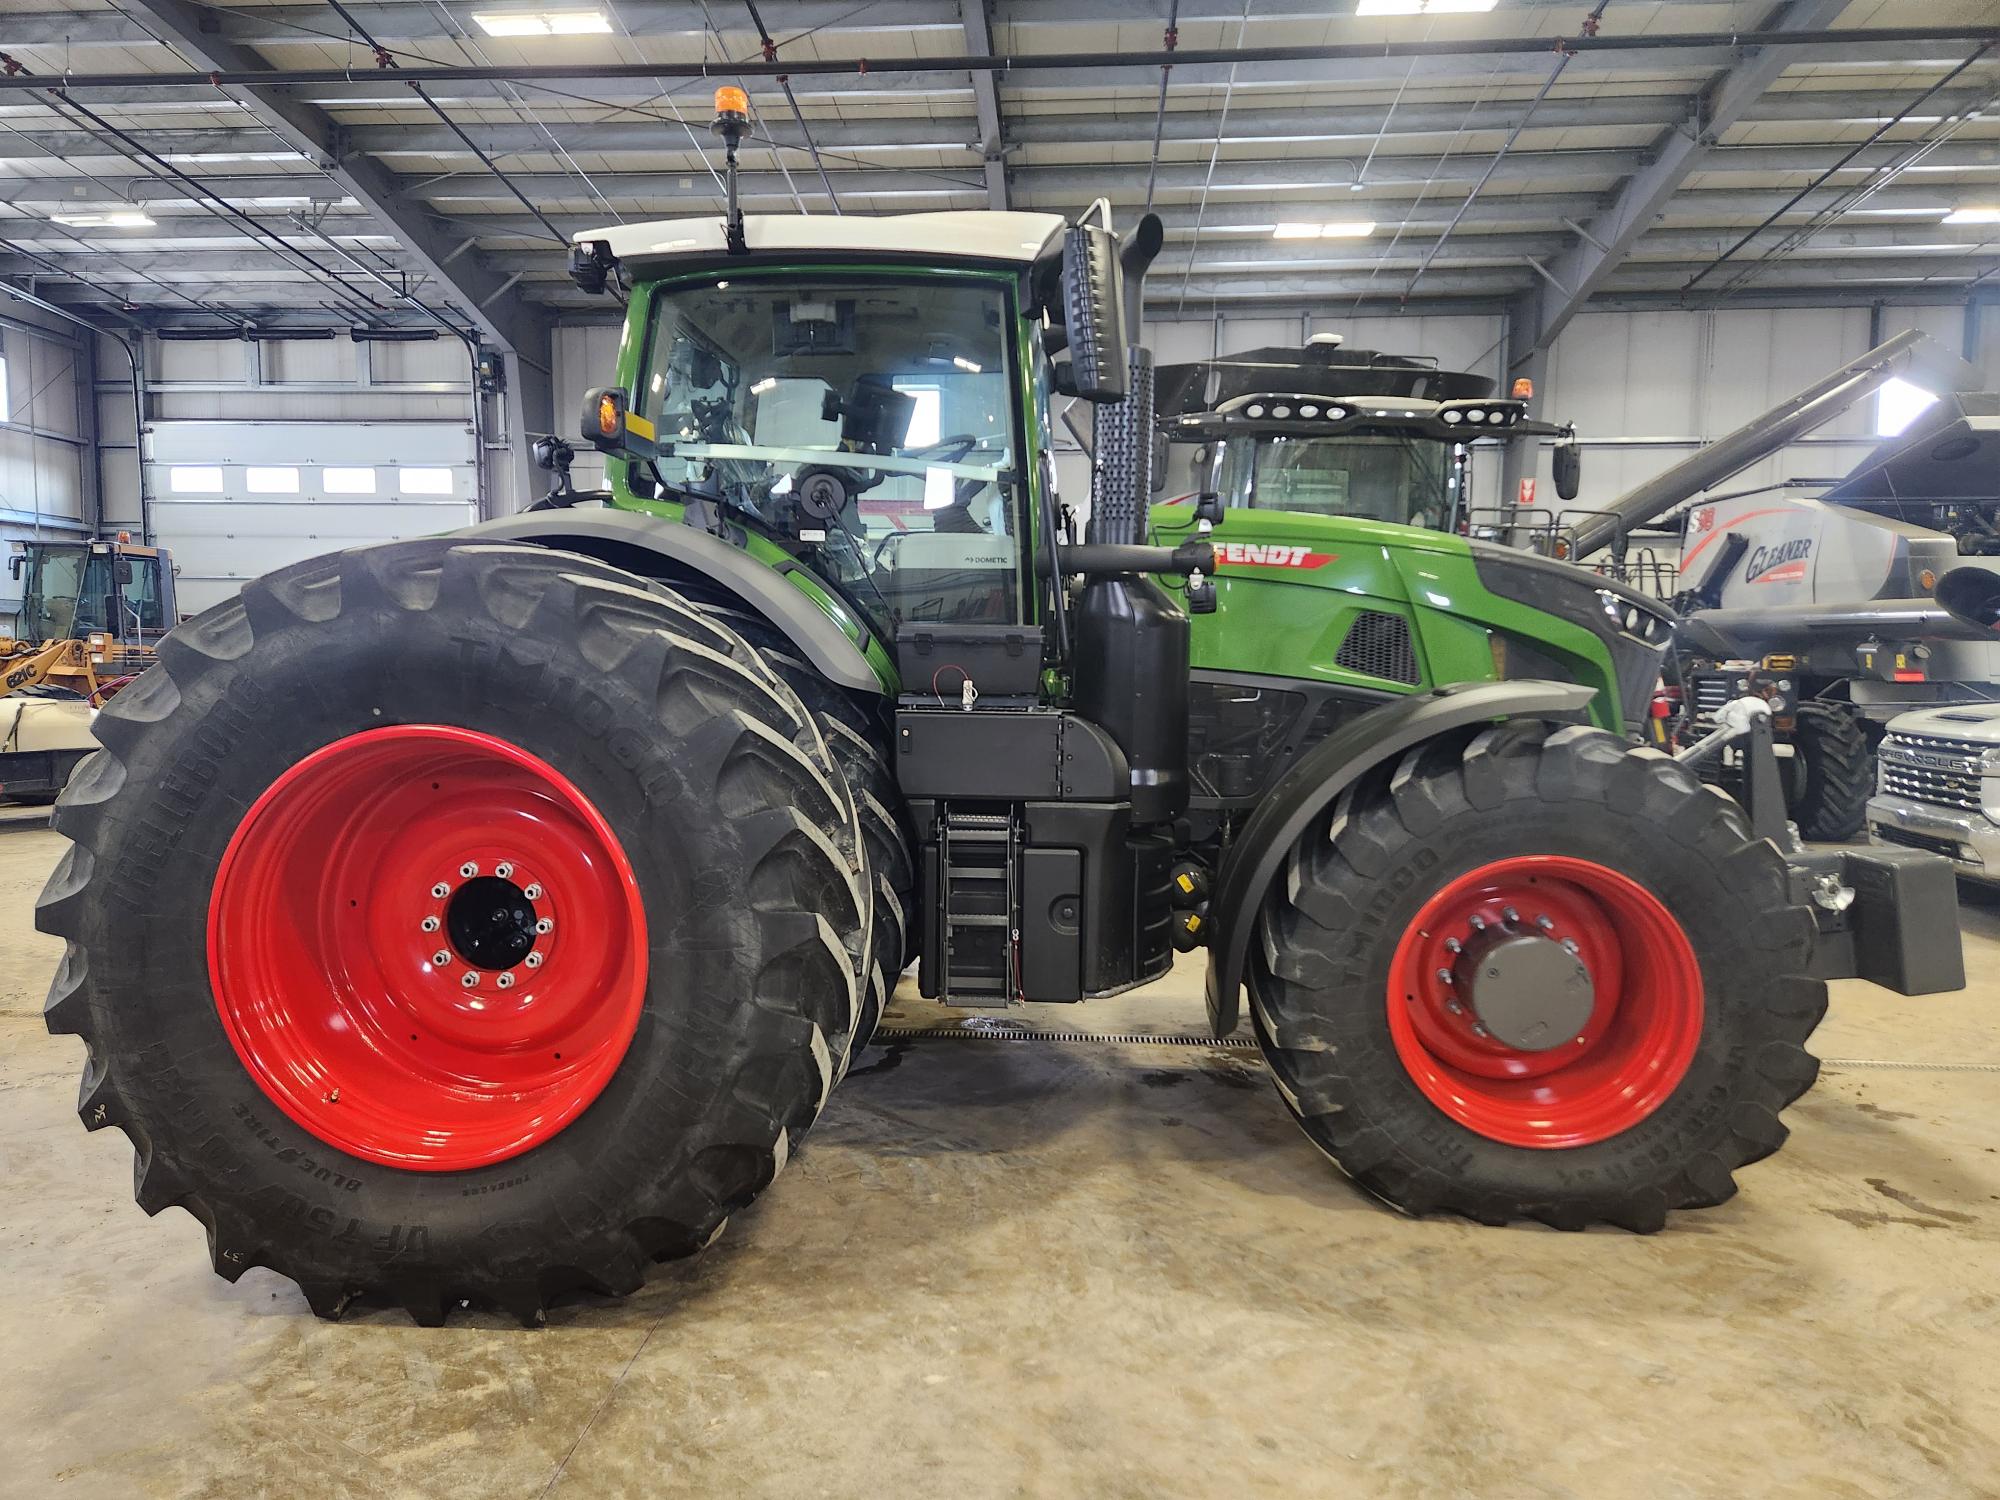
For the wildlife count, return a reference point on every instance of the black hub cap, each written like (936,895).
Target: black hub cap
(1529,992)
(490,922)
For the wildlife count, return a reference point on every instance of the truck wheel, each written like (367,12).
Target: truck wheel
(454,922)
(857,738)
(1832,772)
(1537,976)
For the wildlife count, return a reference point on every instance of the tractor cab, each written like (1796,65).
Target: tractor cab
(75,590)
(1328,431)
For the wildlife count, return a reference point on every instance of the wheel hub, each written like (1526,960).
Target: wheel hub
(1527,990)
(427,947)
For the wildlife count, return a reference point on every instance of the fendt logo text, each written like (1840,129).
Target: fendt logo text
(1261,555)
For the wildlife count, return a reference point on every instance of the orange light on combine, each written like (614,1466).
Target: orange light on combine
(607,415)
(1524,389)
(730,100)
(124,537)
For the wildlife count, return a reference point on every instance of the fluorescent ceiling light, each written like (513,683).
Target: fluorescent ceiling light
(104,218)
(965,364)
(1338,229)
(1422,7)
(542,22)
(1973,216)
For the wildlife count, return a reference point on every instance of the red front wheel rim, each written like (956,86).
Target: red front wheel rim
(427,947)
(1596,1069)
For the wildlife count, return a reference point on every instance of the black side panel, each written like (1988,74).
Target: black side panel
(1052,924)
(1101,833)
(1244,730)
(1319,777)
(658,548)
(1006,756)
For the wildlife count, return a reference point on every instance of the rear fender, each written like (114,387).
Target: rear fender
(661,548)
(1306,791)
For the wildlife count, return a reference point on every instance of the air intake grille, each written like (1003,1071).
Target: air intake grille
(1378,645)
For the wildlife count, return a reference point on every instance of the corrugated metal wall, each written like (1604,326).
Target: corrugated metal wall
(45,462)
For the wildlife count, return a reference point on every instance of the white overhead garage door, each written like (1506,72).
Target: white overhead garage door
(233,500)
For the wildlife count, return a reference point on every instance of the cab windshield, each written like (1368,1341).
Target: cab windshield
(871,419)
(73,591)
(1388,477)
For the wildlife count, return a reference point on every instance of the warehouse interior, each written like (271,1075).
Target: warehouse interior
(284,279)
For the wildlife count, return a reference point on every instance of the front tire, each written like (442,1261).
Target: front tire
(1831,773)
(287,929)
(1645,1006)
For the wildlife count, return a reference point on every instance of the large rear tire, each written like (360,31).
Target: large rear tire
(310,1047)
(858,738)
(1831,774)
(1537,975)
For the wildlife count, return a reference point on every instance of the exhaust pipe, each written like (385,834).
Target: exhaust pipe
(1123,447)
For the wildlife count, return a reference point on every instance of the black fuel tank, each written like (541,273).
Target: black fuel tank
(1130,674)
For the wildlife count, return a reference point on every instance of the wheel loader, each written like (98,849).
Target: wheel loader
(476,920)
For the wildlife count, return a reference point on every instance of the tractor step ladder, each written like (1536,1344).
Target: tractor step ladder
(977,917)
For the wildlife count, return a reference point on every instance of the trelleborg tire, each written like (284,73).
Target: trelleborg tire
(1536,975)
(295,885)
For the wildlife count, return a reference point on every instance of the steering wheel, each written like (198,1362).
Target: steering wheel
(951,450)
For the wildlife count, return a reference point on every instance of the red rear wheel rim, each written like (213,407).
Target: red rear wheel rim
(427,947)
(1624,1060)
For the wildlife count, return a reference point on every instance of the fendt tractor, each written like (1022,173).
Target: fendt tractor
(478,919)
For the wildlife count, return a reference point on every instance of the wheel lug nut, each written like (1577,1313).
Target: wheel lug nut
(1477,1029)
(1569,946)
(1454,1007)
(1445,977)
(533,893)
(1453,945)
(1546,923)
(430,924)
(505,981)
(469,979)
(467,870)
(545,925)
(503,869)
(1478,924)
(533,960)
(1508,914)
(441,957)
(440,890)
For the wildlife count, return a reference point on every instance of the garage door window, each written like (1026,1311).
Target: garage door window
(348,481)
(424,481)
(272,481)
(194,479)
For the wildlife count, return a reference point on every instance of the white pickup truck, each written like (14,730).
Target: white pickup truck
(1938,786)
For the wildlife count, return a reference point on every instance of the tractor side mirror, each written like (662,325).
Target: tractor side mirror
(613,427)
(122,570)
(1093,308)
(1568,462)
(16,563)
(1208,507)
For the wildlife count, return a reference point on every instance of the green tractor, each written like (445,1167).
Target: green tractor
(478,919)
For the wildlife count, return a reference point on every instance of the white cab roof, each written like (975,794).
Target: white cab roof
(978,234)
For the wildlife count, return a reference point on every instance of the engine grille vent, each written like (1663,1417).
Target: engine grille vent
(1378,645)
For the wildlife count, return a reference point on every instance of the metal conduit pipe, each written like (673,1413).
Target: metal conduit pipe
(1854,43)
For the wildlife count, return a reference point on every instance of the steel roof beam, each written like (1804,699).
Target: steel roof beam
(310,130)
(985,103)
(1604,242)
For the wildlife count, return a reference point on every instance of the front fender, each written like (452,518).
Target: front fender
(1307,790)
(615,536)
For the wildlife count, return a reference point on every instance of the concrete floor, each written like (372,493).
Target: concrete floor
(1008,1269)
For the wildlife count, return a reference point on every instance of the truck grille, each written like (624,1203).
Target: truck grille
(1929,768)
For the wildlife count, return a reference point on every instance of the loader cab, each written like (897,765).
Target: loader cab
(72,590)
